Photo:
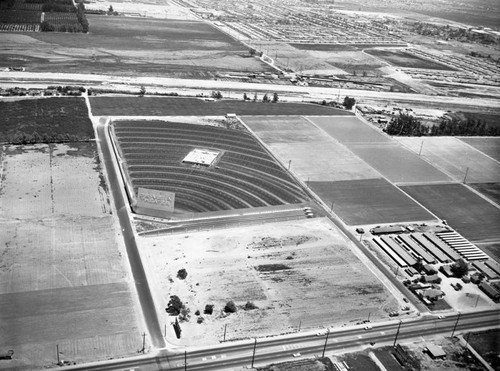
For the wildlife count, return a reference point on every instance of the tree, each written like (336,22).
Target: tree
(255,97)
(406,125)
(460,268)
(265,98)
(216,94)
(230,307)
(275,98)
(110,10)
(182,274)
(142,91)
(349,102)
(174,306)
(252,52)
(245,97)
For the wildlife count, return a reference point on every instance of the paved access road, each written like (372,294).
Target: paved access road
(281,348)
(141,283)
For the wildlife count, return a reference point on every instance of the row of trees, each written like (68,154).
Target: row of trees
(408,125)
(34,137)
(265,98)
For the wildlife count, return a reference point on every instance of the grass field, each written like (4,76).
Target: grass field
(131,46)
(314,155)
(369,201)
(280,267)
(453,157)
(401,58)
(489,146)
(64,278)
(487,344)
(338,47)
(59,118)
(468,213)
(168,106)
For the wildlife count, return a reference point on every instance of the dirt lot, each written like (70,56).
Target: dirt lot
(293,138)
(294,272)
(369,201)
(453,156)
(64,278)
(131,46)
(400,58)
(168,106)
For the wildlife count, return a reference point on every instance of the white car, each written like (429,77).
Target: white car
(295,355)
(368,327)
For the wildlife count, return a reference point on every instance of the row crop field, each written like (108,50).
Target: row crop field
(489,146)
(168,106)
(65,118)
(369,201)
(401,58)
(19,27)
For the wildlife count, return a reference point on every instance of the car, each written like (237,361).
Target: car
(405,300)
(320,333)
(368,327)
(295,355)
(441,316)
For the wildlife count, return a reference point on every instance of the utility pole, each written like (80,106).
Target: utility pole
(466,172)
(326,342)
(421,146)
(289,163)
(300,324)
(331,207)
(57,350)
(185,360)
(254,347)
(225,328)
(397,333)
(143,342)
(456,324)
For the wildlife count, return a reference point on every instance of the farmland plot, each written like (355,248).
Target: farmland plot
(63,276)
(293,272)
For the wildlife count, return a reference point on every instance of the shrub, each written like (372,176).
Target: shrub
(209,309)
(230,307)
(249,306)
(200,320)
(197,313)
(174,306)
(181,274)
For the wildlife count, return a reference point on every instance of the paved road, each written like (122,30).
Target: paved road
(277,349)
(141,283)
(17,78)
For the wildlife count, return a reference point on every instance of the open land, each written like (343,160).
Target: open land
(465,211)
(489,146)
(490,190)
(131,46)
(400,58)
(456,158)
(280,267)
(369,201)
(53,117)
(168,106)
(63,277)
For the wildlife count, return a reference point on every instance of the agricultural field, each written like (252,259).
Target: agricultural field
(64,278)
(279,267)
(61,118)
(468,213)
(490,190)
(369,201)
(401,58)
(456,158)
(489,146)
(311,153)
(168,106)
(132,46)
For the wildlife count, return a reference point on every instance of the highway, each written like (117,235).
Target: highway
(141,283)
(281,348)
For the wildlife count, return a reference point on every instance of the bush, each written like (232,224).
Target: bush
(249,306)
(209,309)
(181,274)
(230,307)
(174,306)
(200,320)
(197,313)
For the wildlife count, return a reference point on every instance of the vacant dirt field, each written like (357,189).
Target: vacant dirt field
(314,155)
(400,58)
(64,278)
(453,156)
(369,201)
(168,106)
(294,272)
